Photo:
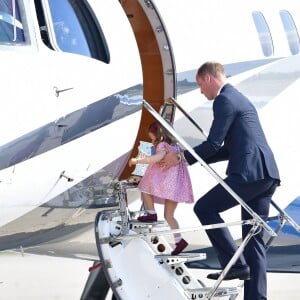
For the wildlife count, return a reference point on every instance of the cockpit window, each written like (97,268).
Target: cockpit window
(72,27)
(11,26)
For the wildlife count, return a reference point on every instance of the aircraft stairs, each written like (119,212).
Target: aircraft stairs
(135,257)
(148,257)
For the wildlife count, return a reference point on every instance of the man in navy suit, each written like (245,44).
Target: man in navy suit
(236,135)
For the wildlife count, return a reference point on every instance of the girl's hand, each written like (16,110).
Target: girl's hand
(132,161)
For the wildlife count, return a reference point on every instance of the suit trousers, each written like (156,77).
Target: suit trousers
(258,196)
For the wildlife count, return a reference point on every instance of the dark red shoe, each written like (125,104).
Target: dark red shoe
(148,218)
(180,246)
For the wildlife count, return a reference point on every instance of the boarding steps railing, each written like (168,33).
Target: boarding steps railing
(258,222)
(282,216)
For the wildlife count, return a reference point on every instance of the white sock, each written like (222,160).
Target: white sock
(177,239)
(151,212)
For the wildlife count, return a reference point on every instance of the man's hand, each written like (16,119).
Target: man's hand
(169,160)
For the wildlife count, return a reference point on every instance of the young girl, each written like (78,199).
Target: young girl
(164,186)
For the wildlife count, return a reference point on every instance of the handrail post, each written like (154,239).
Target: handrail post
(233,259)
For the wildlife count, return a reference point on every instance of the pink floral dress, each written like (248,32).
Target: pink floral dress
(172,184)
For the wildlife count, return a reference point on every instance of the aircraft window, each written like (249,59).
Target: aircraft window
(77,30)
(11,27)
(264,33)
(290,31)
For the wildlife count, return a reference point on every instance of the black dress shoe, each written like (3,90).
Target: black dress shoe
(242,273)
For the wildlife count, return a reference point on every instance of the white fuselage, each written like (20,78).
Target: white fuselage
(31,75)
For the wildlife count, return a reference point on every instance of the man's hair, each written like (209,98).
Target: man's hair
(213,68)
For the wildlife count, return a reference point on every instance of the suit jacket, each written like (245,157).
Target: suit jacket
(236,135)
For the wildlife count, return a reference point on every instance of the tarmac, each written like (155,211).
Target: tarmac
(33,277)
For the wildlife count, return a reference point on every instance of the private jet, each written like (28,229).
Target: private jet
(82,80)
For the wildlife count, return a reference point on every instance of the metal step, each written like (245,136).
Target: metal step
(180,258)
(202,293)
(136,222)
(138,226)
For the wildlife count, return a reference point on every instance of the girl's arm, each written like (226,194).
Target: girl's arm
(148,159)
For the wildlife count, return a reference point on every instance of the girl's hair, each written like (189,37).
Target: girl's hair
(160,133)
